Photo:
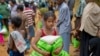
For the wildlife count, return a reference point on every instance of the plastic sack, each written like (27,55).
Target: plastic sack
(19,41)
(75,43)
(4,30)
(50,39)
(43,45)
(58,44)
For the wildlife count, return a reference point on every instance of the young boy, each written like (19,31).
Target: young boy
(29,22)
(16,42)
(64,23)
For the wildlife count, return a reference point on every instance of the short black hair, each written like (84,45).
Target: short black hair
(49,14)
(20,7)
(17,21)
(26,4)
(13,1)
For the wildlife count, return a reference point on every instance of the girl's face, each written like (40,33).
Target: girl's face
(49,23)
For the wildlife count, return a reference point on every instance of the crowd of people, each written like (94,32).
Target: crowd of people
(21,17)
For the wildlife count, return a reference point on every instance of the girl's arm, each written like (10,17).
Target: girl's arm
(58,50)
(36,39)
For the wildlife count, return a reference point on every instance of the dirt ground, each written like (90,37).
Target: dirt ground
(72,53)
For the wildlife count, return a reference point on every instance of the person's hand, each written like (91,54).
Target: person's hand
(98,34)
(46,54)
(74,32)
(57,51)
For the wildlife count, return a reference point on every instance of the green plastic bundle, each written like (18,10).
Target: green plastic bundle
(59,44)
(50,47)
(75,42)
(44,46)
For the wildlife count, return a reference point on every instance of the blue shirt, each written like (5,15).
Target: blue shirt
(81,8)
(64,22)
(71,5)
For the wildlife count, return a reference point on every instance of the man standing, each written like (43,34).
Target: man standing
(4,11)
(29,22)
(13,8)
(71,4)
(64,23)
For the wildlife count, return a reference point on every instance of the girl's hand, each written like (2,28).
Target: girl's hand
(46,54)
(57,51)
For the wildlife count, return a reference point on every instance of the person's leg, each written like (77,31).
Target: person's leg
(31,31)
(66,41)
(11,53)
(84,46)
(17,53)
(95,46)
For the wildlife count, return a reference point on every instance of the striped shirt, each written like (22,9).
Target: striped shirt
(29,17)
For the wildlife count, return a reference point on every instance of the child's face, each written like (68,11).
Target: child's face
(50,22)
(12,25)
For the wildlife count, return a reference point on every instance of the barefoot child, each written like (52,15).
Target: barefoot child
(16,42)
(48,29)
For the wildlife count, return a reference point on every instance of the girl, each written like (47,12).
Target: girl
(48,29)
(16,42)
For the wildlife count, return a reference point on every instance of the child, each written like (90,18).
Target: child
(48,29)
(16,42)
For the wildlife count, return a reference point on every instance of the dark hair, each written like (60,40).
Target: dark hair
(13,1)
(26,4)
(20,7)
(49,14)
(16,21)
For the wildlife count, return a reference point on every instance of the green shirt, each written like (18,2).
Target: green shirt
(4,11)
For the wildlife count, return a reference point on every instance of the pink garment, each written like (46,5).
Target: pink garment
(1,39)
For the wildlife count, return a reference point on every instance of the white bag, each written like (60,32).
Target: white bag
(19,41)
(49,39)
(4,30)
